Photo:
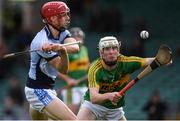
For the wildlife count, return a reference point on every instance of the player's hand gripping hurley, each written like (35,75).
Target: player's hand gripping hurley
(163,57)
(29,51)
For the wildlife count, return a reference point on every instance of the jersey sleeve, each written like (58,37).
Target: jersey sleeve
(64,35)
(133,63)
(92,75)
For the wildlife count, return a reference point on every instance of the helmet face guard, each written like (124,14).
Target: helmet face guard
(106,42)
(54,8)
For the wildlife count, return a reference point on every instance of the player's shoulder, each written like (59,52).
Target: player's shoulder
(41,35)
(39,39)
(96,63)
(65,34)
(66,31)
(123,58)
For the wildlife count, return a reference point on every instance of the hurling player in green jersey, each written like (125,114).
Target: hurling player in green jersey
(106,77)
(77,73)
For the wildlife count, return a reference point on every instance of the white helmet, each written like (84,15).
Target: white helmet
(108,41)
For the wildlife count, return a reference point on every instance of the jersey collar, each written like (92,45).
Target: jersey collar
(49,34)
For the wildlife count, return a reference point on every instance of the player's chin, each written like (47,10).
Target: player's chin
(67,25)
(111,59)
(64,26)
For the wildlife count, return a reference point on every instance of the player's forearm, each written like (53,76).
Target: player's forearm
(99,98)
(71,49)
(64,62)
(63,77)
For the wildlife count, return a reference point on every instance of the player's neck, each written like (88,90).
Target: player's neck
(54,32)
(109,68)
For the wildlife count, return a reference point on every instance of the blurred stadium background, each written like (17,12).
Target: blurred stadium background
(20,21)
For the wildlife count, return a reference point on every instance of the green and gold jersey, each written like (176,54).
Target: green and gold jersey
(79,64)
(114,80)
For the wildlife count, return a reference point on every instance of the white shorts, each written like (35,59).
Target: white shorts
(103,113)
(77,94)
(39,98)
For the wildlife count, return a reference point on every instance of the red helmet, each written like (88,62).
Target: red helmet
(53,8)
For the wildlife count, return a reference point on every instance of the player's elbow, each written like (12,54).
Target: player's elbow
(73,49)
(95,97)
(64,70)
(76,48)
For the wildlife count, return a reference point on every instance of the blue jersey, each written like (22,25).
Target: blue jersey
(41,73)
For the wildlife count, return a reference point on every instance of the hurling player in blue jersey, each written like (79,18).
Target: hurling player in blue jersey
(48,62)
